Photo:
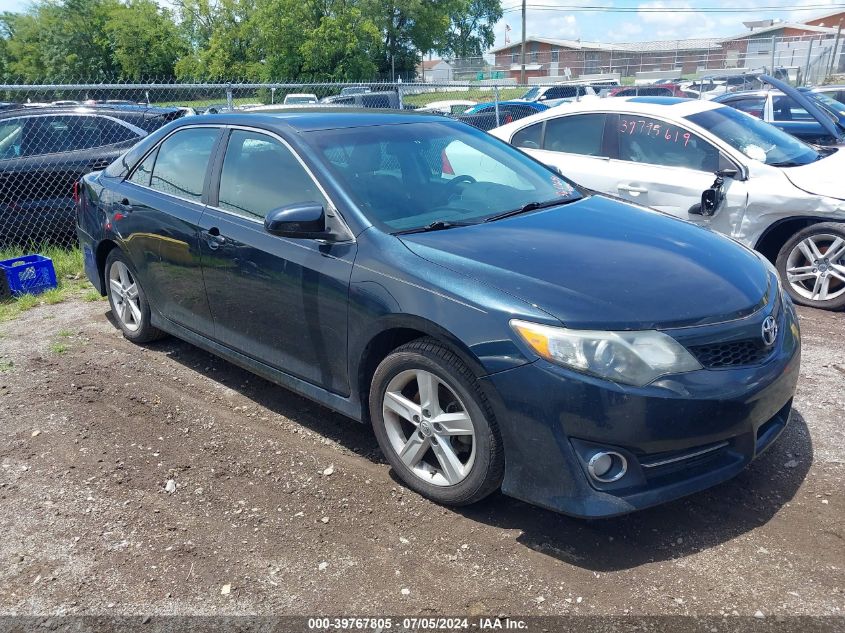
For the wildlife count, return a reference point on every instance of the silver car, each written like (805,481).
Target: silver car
(712,165)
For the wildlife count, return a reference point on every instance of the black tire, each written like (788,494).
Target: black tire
(832,229)
(487,470)
(145,332)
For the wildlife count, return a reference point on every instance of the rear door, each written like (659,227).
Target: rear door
(794,119)
(575,145)
(280,301)
(157,211)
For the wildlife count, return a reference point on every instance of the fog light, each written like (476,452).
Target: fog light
(607,466)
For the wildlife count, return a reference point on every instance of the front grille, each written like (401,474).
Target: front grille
(732,354)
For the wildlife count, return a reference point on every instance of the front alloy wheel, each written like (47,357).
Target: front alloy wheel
(434,425)
(429,427)
(812,264)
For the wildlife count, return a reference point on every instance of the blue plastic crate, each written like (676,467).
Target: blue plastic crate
(30,274)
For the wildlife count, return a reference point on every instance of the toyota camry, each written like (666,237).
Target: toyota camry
(498,327)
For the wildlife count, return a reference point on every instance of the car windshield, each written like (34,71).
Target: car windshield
(413,175)
(531,94)
(754,138)
(828,102)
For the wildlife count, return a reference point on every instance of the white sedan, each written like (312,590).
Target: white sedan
(450,106)
(778,195)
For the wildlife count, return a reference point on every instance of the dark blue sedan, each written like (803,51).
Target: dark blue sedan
(497,326)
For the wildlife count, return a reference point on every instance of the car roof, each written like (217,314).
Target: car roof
(647,106)
(306,119)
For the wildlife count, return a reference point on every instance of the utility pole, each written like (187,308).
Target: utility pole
(522,72)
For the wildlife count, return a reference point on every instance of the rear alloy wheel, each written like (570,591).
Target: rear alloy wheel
(812,266)
(128,301)
(433,424)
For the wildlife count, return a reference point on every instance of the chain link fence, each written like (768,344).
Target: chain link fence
(53,134)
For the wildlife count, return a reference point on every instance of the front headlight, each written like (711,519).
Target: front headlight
(633,358)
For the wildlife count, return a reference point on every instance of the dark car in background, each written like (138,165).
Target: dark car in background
(415,273)
(44,151)
(486,116)
(784,111)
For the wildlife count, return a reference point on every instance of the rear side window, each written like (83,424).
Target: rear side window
(63,133)
(261,174)
(142,175)
(182,163)
(647,140)
(579,134)
(10,138)
(528,137)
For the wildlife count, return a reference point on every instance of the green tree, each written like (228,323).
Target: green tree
(471,28)
(341,48)
(221,39)
(144,39)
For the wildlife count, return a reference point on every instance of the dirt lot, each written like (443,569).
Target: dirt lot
(93,427)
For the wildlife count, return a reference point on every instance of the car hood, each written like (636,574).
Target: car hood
(823,177)
(601,264)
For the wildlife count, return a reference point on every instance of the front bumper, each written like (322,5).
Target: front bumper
(679,435)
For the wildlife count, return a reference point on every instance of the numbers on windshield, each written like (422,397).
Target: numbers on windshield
(670,133)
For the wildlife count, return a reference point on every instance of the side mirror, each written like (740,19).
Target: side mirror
(710,201)
(305,220)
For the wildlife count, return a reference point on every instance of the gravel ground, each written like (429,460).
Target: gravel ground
(283,507)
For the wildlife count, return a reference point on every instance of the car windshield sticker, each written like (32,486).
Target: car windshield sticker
(562,188)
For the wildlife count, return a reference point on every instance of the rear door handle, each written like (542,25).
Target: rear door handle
(632,189)
(213,238)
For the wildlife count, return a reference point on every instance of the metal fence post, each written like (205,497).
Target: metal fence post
(496,102)
(774,49)
(229,100)
(807,66)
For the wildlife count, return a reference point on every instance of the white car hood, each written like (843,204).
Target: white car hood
(822,178)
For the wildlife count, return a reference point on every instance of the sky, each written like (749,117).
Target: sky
(558,19)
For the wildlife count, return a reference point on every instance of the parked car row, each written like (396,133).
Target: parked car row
(765,188)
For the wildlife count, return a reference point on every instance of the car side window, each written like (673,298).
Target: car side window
(529,137)
(182,162)
(144,171)
(10,138)
(68,133)
(578,134)
(785,109)
(646,140)
(261,174)
(752,105)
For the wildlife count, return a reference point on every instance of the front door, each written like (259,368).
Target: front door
(665,166)
(280,301)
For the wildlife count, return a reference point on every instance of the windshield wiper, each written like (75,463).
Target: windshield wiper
(531,206)
(437,225)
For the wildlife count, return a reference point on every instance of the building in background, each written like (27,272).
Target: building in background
(436,71)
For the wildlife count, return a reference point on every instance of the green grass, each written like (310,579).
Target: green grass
(203,103)
(69,275)
(65,333)
(6,365)
(480,94)
(59,348)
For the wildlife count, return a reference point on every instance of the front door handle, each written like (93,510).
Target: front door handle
(632,189)
(213,238)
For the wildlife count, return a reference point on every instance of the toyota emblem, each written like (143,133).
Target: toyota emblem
(770,331)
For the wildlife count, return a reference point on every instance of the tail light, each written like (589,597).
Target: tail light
(445,165)
(76,192)
(508,118)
